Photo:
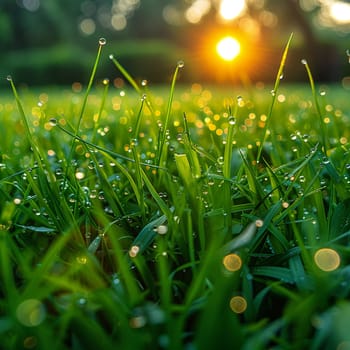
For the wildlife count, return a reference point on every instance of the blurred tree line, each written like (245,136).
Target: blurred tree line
(55,42)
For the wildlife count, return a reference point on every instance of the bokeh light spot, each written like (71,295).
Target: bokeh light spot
(232,262)
(134,250)
(87,26)
(327,259)
(238,304)
(31,312)
(231,9)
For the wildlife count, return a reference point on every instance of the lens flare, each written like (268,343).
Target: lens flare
(228,48)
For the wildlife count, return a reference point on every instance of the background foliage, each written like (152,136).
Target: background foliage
(52,42)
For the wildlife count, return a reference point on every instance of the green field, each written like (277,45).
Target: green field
(175,217)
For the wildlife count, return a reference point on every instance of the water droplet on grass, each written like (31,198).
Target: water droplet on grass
(82,302)
(220,160)
(144,82)
(325,160)
(134,250)
(180,64)
(303,61)
(111,57)
(17,201)
(232,120)
(162,229)
(81,259)
(305,137)
(9,78)
(259,223)
(102,41)
(105,81)
(53,122)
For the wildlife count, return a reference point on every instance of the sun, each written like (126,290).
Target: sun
(228,48)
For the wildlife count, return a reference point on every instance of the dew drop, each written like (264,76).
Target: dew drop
(162,229)
(111,57)
(259,223)
(144,82)
(220,160)
(273,92)
(102,41)
(348,52)
(9,78)
(134,142)
(303,61)
(325,160)
(53,122)
(143,97)
(17,201)
(180,64)
(305,137)
(322,93)
(281,76)
(79,175)
(81,259)
(232,120)
(134,250)
(105,81)
(82,302)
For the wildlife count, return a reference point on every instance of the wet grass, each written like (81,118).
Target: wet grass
(179,217)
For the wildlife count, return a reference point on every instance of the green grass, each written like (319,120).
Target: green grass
(122,210)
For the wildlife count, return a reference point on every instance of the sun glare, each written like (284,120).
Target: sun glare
(231,9)
(228,48)
(340,12)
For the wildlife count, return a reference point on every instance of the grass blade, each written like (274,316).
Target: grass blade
(274,94)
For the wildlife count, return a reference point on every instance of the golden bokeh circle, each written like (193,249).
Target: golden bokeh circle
(238,304)
(232,262)
(327,259)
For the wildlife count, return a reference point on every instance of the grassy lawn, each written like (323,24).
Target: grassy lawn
(175,217)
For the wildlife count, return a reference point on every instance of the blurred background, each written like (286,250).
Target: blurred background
(55,41)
